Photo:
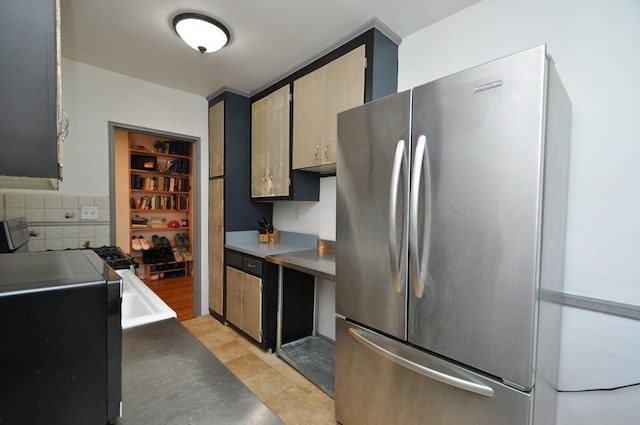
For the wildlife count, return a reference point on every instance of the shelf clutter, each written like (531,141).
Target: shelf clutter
(159,183)
(160,202)
(163,259)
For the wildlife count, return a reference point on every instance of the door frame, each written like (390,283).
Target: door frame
(197,216)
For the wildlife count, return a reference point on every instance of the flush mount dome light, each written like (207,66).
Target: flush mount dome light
(201,32)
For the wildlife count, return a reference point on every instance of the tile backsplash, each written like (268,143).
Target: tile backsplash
(54,219)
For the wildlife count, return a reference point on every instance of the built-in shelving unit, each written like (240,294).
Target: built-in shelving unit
(160,203)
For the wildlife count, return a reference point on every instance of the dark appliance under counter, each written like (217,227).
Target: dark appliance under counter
(60,339)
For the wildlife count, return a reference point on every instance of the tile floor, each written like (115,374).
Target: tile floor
(286,392)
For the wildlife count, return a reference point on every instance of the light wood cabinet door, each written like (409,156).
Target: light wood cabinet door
(259,147)
(270,144)
(252,306)
(318,97)
(308,119)
(234,296)
(344,89)
(216,245)
(216,140)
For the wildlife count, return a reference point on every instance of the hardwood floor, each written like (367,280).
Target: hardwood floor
(177,292)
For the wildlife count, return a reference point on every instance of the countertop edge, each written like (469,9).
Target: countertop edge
(290,260)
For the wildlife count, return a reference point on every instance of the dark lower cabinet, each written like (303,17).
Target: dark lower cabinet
(251,297)
(251,300)
(298,293)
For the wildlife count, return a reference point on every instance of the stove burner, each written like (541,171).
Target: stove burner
(115,257)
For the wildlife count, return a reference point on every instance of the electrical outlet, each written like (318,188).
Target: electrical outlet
(88,213)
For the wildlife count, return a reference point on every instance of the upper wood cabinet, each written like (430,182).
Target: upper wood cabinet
(216,140)
(294,140)
(318,97)
(270,119)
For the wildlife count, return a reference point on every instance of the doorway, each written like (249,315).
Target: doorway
(154,210)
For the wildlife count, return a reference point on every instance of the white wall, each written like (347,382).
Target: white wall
(92,97)
(318,218)
(596,48)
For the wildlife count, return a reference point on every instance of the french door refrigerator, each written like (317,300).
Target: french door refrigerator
(451,205)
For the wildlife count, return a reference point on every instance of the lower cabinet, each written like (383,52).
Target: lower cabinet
(244,302)
(251,297)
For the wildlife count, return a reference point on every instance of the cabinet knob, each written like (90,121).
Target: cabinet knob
(317,151)
(326,151)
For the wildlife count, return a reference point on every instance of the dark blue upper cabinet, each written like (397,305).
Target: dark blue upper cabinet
(29,94)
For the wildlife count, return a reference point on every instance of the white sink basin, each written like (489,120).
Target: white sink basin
(140,305)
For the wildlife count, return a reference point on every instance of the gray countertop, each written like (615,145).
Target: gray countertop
(247,243)
(313,261)
(169,377)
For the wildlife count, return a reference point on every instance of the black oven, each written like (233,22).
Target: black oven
(60,339)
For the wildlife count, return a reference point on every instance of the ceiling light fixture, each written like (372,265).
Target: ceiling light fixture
(201,32)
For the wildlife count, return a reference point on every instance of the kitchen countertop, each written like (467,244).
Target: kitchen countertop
(247,243)
(169,377)
(313,261)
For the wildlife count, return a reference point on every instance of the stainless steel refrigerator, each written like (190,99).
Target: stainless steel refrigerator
(451,205)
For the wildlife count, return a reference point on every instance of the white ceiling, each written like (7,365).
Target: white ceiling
(269,38)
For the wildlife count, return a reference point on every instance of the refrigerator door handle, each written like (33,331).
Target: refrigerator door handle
(400,159)
(447,379)
(421,158)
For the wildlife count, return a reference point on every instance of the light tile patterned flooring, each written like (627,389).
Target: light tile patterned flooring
(293,398)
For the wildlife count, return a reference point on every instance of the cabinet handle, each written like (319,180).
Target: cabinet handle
(270,176)
(326,151)
(317,151)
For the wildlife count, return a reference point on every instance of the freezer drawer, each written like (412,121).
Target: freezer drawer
(373,387)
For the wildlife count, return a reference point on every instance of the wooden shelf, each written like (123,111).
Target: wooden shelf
(167,270)
(162,192)
(150,210)
(158,229)
(159,173)
(155,153)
